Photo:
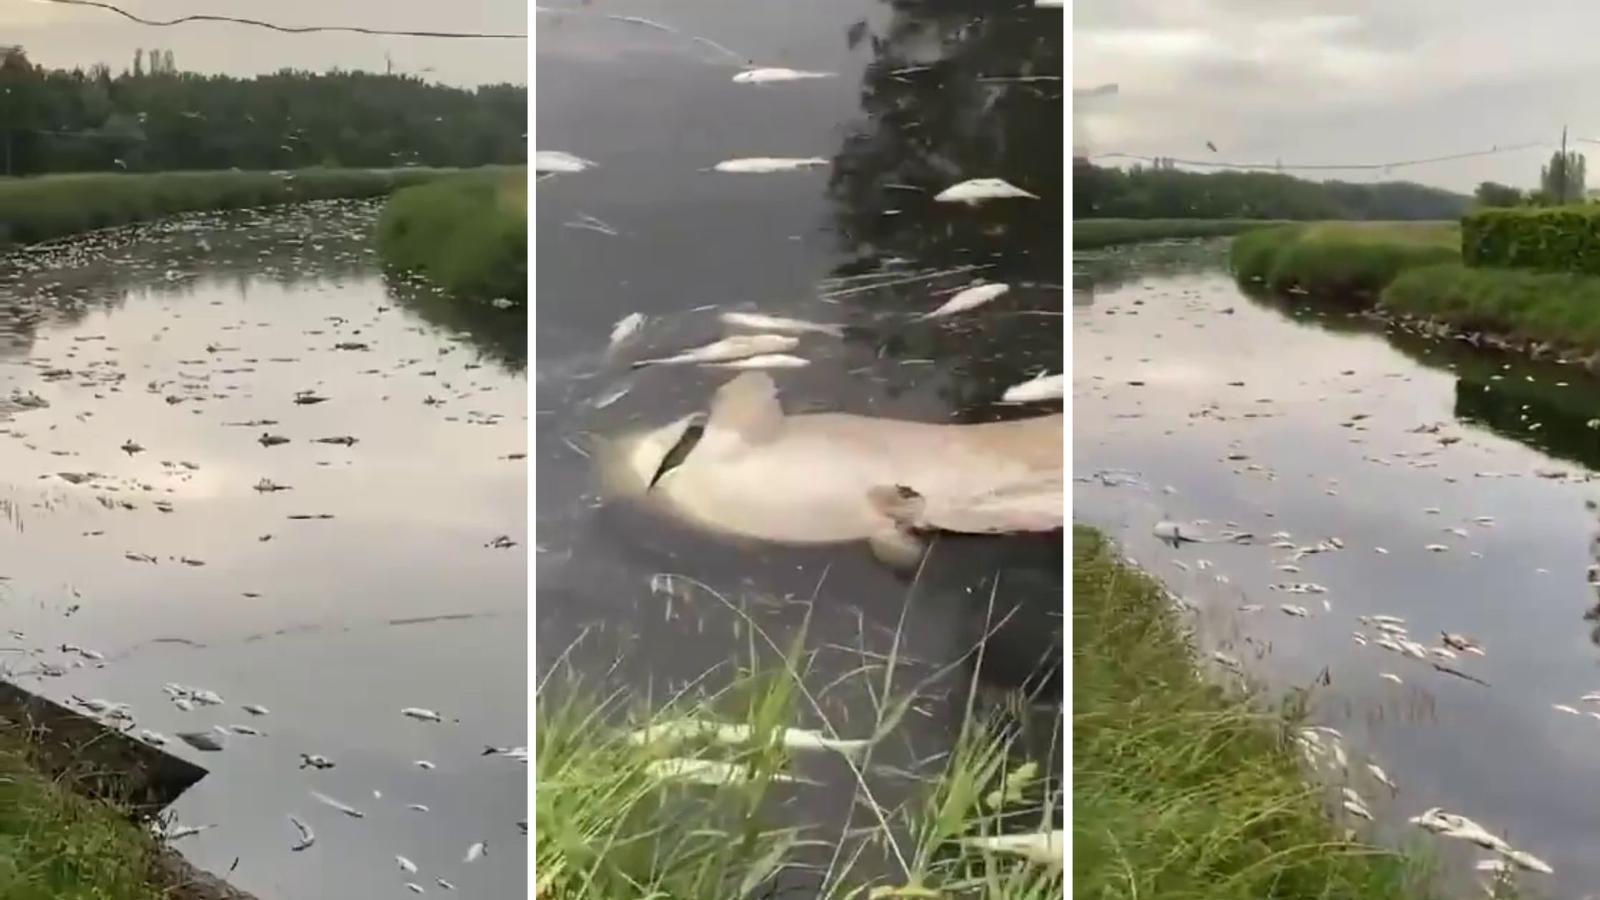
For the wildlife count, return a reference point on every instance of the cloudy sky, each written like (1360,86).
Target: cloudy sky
(69,36)
(1342,81)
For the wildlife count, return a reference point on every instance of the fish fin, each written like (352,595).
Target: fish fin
(748,407)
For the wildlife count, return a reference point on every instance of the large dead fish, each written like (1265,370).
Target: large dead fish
(764,322)
(626,327)
(730,348)
(762,165)
(1035,390)
(557,161)
(765,361)
(977,190)
(770,75)
(749,470)
(969,298)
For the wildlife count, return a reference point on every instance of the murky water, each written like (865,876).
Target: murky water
(905,116)
(1306,420)
(173,565)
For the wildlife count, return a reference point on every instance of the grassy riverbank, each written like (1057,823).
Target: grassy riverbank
(1341,260)
(1088,234)
(1556,308)
(1182,789)
(466,234)
(57,845)
(636,803)
(54,206)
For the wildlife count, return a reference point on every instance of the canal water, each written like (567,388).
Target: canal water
(918,97)
(1457,482)
(138,372)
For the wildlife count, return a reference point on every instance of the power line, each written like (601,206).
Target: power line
(1215,164)
(287,29)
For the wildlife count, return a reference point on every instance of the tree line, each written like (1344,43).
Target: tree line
(153,117)
(1166,192)
(1563,180)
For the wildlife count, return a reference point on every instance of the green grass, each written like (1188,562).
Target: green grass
(1182,789)
(1340,260)
(609,823)
(54,206)
(466,234)
(1088,234)
(1558,308)
(57,845)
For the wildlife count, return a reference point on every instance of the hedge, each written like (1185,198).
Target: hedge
(1562,239)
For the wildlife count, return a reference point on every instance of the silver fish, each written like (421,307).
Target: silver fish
(976,190)
(775,74)
(764,322)
(764,361)
(762,165)
(307,838)
(969,298)
(730,348)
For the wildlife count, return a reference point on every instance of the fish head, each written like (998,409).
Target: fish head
(631,464)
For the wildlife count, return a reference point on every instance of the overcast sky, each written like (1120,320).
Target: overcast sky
(1342,81)
(66,36)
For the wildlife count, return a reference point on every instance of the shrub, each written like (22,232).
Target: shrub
(1562,308)
(467,234)
(1565,238)
(1342,261)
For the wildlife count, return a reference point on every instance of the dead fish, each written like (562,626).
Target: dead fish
(475,852)
(626,327)
(406,865)
(154,738)
(727,349)
(557,161)
(501,542)
(764,361)
(1438,548)
(417,712)
(348,810)
(201,740)
(342,440)
(1381,776)
(1390,676)
(306,398)
(776,74)
(764,322)
(416,806)
(976,190)
(255,709)
(271,440)
(172,834)
(307,838)
(1048,847)
(424,765)
(762,165)
(1173,533)
(1461,642)
(1562,707)
(1299,612)
(968,299)
(688,729)
(704,771)
(414,888)
(1528,861)
(1037,389)
(130,447)
(245,730)
(315,761)
(444,884)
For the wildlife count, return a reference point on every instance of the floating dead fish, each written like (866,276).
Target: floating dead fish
(414,888)
(1461,642)
(764,361)
(154,738)
(728,349)
(307,398)
(776,74)
(201,740)
(244,730)
(977,190)
(626,327)
(255,709)
(681,730)
(501,542)
(1299,612)
(444,884)
(783,324)
(1037,389)
(406,865)
(315,761)
(1047,847)
(327,801)
(342,440)
(968,299)
(762,165)
(417,712)
(1528,861)
(351,345)
(1562,707)
(475,852)
(1437,548)
(558,161)
(1174,534)
(183,831)
(307,838)
(271,440)
(424,765)
(1381,776)
(130,447)
(1390,676)
(416,806)
(704,771)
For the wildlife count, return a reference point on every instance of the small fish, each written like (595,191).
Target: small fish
(172,834)
(728,349)
(687,729)
(1438,548)
(271,440)
(425,715)
(348,810)
(775,74)
(444,884)
(1562,707)
(763,322)
(414,888)
(1299,612)
(1390,676)
(703,771)
(201,740)
(1037,389)
(343,440)
(245,730)
(762,165)
(417,807)
(764,361)
(424,765)
(968,299)
(1461,642)
(1381,776)
(307,838)
(1173,533)
(557,161)
(475,852)
(406,865)
(255,709)
(315,761)
(626,327)
(155,738)
(1043,847)
(977,190)
(130,447)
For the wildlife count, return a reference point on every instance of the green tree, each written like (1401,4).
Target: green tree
(1491,193)
(1562,179)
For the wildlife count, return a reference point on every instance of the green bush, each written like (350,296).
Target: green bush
(1338,260)
(1562,239)
(54,206)
(467,234)
(1561,308)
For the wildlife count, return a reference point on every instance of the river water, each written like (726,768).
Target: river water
(169,563)
(1193,401)
(905,114)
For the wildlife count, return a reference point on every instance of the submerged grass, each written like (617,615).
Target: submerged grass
(1088,234)
(57,845)
(1558,308)
(619,813)
(1340,260)
(1182,789)
(466,234)
(53,206)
